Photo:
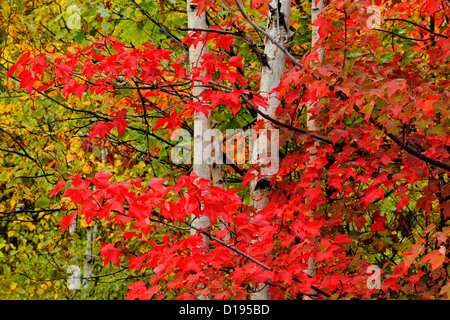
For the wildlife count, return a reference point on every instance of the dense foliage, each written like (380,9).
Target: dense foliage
(92,91)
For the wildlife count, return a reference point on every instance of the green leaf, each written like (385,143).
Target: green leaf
(106,26)
(79,36)
(41,142)
(101,10)
(42,202)
(96,153)
(217,116)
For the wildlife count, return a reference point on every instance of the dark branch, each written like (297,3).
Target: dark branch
(210,30)
(397,140)
(403,37)
(417,25)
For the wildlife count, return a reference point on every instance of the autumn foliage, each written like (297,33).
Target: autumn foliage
(376,191)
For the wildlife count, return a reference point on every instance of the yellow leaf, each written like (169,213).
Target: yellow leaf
(6,175)
(72,50)
(13,286)
(23,47)
(87,168)
(107,4)
(14,200)
(83,224)
(48,47)
(49,148)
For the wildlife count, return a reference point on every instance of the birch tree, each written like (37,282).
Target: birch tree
(271,73)
(201,122)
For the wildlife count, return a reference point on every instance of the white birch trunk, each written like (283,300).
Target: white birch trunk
(316,9)
(74,281)
(201,122)
(89,258)
(278,29)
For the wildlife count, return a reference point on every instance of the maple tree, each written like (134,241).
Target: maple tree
(366,183)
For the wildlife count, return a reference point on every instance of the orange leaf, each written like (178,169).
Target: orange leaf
(435,257)
(411,254)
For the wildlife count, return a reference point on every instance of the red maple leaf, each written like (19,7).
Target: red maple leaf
(199,106)
(68,220)
(426,105)
(248,177)
(129,65)
(172,123)
(23,60)
(137,290)
(415,277)
(136,262)
(28,78)
(259,221)
(73,87)
(74,194)
(63,70)
(58,187)
(393,86)
(336,134)
(100,129)
(110,253)
(403,202)
(178,70)
(225,42)
(119,122)
(372,194)
(101,179)
(378,225)
(325,25)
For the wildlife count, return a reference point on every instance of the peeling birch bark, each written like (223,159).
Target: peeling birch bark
(271,73)
(201,122)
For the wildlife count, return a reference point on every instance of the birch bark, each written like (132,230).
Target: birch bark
(271,73)
(203,134)
(201,122)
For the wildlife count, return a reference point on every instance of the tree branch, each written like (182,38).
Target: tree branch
(287,126)
(210,30)
(417,25)
(234,249)
(400,36)
(160,26)
(398,141)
